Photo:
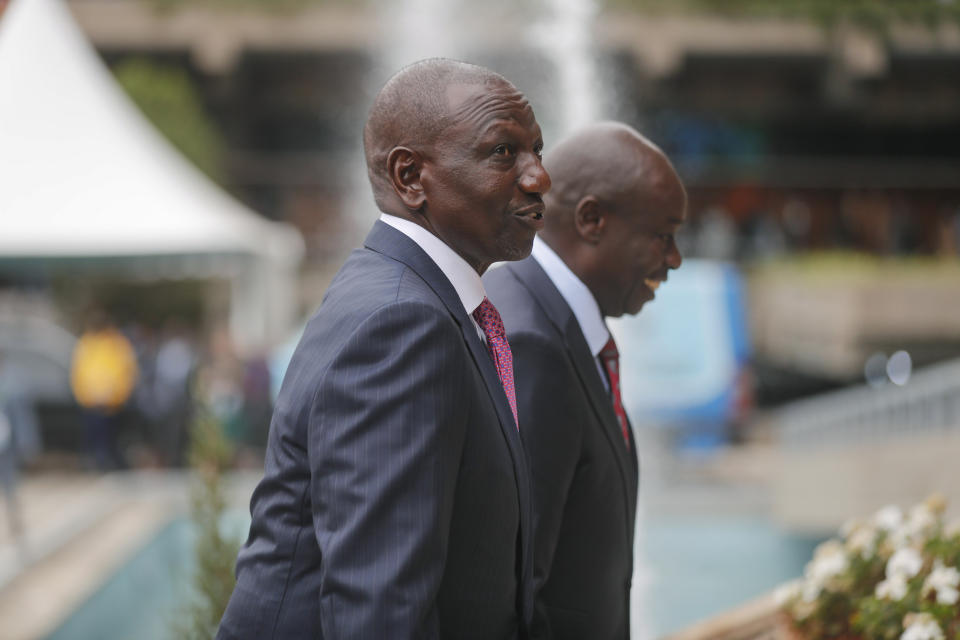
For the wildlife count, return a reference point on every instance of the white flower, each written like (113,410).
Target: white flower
(862,541)
(921,626)
(787,592)
(905,562)
(811,590)
(899,538)
(948,595)
(829,548)
(849,527)
(918,525)
(829,560)
(921,521)
(893,588)
(888,518)
(943,576)
(944,580)
(937,503)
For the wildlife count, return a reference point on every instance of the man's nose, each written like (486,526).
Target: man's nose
(674,259)
(535,178)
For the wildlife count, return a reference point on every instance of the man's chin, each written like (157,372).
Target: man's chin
(516,251)
(635,306)
(634,309)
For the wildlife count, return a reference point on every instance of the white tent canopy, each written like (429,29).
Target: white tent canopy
(84,175)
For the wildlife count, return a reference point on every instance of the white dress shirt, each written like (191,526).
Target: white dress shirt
(466,282)
(579,298)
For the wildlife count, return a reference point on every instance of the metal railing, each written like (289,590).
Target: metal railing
(928,403)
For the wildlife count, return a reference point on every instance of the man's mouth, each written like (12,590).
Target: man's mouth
(534,211)
(653,285)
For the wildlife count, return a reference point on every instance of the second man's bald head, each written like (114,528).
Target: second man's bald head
(608,160)
(613,210)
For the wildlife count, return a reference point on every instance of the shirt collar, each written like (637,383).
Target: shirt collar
(465,280)
(576,294)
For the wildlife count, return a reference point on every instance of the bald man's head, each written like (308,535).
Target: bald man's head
(608,160)
(455,148)
(411,110)
(615,205)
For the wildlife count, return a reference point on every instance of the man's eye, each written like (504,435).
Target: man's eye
(503,150)
(538,150)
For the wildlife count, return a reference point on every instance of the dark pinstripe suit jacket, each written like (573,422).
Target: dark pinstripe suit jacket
(395,500)
(584,477)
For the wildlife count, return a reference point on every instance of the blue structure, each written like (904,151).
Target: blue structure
(685,357)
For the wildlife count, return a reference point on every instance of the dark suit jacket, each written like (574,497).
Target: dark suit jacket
(584,477)
(395,500)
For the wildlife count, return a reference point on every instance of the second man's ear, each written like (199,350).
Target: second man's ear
(589,219)
(403,169)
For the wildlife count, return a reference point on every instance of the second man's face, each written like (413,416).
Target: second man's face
(642,249)
(484,179)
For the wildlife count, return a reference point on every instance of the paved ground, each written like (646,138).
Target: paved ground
(76,529)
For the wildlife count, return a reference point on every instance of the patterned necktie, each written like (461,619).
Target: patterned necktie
(489,320)
(610,357)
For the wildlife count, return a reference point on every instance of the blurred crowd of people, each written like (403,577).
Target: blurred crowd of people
(171,374)
(136,390)
(745,224)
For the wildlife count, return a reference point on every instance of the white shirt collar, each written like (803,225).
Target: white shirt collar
(576,294)
(465,280)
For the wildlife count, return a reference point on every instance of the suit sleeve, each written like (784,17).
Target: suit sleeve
(385,441)
(551,422)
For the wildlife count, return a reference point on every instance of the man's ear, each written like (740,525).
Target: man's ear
(589,219)
(403,170)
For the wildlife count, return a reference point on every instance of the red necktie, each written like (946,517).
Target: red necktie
(610,357)
(489,320)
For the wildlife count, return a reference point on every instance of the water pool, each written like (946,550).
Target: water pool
(139,601)
(695,568)
(692,568)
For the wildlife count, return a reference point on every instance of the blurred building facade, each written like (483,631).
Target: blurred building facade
(801,136)
(791,136)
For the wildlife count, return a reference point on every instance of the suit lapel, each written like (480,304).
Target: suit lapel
(388,241)
(536,280)
(602,403)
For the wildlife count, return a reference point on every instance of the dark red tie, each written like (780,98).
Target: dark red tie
(489,320)
(610,357)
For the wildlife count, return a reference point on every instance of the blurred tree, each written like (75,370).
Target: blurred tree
(874,14)
(214,553)
(133,301)
(168,98)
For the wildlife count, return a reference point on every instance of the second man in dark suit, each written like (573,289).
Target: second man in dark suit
(611,216)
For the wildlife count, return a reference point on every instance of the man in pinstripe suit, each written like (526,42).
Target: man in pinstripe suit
(395,499)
